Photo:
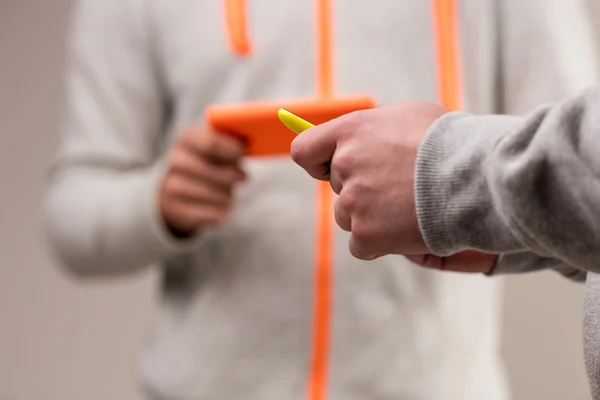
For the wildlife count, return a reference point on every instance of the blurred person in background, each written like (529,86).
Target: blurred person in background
(246,310)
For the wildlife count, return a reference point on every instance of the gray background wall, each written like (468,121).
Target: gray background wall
(67,340)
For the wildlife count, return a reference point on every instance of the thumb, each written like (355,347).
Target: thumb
(313,149)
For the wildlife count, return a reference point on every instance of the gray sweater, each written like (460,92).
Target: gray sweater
(527,187)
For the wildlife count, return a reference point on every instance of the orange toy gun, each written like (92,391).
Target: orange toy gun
(257,124)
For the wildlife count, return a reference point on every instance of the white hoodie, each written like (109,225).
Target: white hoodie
(247,310)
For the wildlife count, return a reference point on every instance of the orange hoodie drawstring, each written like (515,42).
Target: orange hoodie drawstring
(450,96)
(236,22)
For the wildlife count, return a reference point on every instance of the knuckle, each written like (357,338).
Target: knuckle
(222,176)
(188,136)
(344,162)
(168,188)
(233,146)
(366,243)
(224,197)
(231,176)
(175,186)
(362,233)
(350,122)
(240,147)
(211,142)
(342,218)
(185,135)
(203,140)
(177,160)
(184,161)
(357,251)
(349,198)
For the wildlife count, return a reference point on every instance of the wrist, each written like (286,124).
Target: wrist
(172,237)
(180,232)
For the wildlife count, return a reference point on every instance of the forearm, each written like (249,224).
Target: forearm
(506,184)
(102,222)
(101,214)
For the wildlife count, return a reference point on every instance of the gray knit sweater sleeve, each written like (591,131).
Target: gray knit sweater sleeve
(527,261)
(515,185)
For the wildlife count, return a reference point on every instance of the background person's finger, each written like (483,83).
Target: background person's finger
(201,169)
(217,146)
(189,189)
(188,215)
(224,175)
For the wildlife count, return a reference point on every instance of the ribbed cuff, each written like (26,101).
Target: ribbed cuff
(454,203)
(432,182)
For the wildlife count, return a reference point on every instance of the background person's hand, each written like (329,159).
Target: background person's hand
(465,261)
(369,158)
(203,168)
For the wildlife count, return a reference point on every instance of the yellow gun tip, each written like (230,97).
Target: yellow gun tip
(292,121)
